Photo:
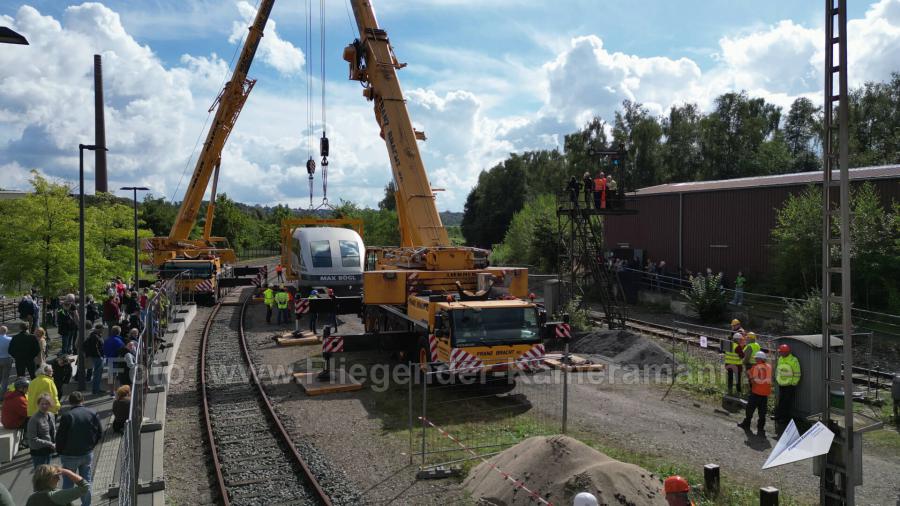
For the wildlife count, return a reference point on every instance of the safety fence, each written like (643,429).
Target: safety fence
(159,316)
(472,413)
(770,307)
(247,254)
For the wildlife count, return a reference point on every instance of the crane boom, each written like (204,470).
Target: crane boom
(229,102)
(373,63)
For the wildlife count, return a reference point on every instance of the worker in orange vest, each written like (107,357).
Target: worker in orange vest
(760,375)
(279,273)
(600,191)
(677,491)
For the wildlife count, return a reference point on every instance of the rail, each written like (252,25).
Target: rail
(772,305)
(877,378)
(279,429)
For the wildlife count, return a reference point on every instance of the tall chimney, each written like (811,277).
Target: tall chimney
(99,128)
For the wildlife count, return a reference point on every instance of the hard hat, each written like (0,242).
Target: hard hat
(21,383)
(314,292)
(676,484)
(784,349)
(760,355)
(735,322)
(737,336)
(751,335)
(584,499)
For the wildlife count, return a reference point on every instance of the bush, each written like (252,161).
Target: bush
(578,316)
(707,297)
(805,315)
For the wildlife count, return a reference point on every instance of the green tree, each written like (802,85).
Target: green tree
(797,251)
(380,227)
(802,133)
(532,237)
(681,158)
(110,232)
(389,202)
(871,254)
(231,222)
(875,123)
(731,136)
(39,239)
(797,239)
(158,214)
(641,134)
(491,204)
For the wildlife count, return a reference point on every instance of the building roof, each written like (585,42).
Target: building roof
(12,194)
(799,178)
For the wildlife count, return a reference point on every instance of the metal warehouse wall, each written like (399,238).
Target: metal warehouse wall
(726,230)
(654,229)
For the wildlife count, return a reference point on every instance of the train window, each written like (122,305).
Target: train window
(321,253)
(349,253)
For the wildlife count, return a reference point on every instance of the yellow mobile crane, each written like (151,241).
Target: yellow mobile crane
(202,262)
(441,304)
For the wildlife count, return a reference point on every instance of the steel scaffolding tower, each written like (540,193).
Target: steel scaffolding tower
(581,258)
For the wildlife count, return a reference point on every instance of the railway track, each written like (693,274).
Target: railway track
(255,459)
(861,375)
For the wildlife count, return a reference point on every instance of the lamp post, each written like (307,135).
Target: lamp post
(137,271)
(81,278)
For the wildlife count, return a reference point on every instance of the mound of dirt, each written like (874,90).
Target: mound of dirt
(558,468)
(623,347)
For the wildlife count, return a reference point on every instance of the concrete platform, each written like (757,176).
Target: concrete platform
(340,381)
(16,474)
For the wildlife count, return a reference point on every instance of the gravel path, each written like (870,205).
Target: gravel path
(189,478)
(351,430)
(679,428)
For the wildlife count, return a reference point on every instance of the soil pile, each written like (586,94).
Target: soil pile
(558,468)
(623,347)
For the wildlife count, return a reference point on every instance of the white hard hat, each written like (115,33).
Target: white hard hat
(761,355)
(585,499)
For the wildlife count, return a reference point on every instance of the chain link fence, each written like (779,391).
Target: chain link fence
(469,414)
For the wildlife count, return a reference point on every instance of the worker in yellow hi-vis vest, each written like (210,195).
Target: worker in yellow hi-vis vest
(269,300)
(734,362)
(787,376)
(281,300)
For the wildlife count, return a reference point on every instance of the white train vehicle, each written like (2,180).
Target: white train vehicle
(327,257)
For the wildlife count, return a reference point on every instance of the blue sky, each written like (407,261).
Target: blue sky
(485,78)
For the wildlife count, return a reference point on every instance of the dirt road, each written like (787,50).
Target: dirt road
(681,429)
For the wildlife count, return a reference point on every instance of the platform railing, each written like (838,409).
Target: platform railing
(159,315)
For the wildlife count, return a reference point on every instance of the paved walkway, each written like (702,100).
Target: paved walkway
(16,475)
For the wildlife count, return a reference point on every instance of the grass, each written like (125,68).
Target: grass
(483,421)
(733,493)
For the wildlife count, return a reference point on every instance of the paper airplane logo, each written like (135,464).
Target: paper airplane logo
(793,447)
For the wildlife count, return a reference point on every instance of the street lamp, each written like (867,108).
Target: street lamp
(81,280)
(137,271)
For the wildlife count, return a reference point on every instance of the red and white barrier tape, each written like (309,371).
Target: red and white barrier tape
(516,482)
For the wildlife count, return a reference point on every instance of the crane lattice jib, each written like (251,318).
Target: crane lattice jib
(420,223)
(230,102)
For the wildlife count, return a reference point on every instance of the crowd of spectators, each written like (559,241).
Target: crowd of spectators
(33,380)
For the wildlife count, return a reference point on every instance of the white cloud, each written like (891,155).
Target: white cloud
(273,50)
(475,110)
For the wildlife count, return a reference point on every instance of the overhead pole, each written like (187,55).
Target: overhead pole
(838,469)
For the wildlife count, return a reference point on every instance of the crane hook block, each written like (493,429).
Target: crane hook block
(323,146)
(310,166)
